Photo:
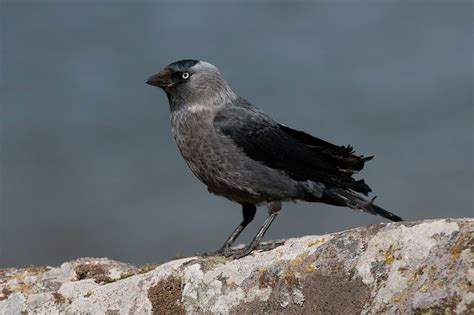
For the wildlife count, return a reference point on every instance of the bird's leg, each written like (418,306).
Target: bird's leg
(248,212)
(274,208)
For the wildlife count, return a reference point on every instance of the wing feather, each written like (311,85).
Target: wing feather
(265,141)
(341,156)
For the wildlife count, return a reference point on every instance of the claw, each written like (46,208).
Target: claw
(220,252)
(237,253)
(371,202)
(266,246)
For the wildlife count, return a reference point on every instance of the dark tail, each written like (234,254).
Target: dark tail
(347,198)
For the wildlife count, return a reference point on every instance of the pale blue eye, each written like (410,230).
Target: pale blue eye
(185,75)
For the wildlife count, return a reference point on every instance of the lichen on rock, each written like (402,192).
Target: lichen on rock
(406,267)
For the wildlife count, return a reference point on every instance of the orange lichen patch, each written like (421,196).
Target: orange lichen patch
(397,298)
(316,242)
(25,289)
(424,288)
(295,262)
(416,277)
(298,260)
(309,268)
(457,248)
(267,279)
(291,279)
(429,281)
(403,270)
(388,256)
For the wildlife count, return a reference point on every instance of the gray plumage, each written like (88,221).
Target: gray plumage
(242,154)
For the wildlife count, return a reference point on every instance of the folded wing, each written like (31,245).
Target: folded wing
(299,155)
(341,156)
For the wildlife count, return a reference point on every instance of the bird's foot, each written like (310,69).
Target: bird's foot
(264,246)
(223,251)
(237,253)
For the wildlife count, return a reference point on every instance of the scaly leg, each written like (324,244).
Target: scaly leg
(274,208)
(248,212)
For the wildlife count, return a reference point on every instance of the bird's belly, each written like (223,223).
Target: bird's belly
(225,169)
(213,166)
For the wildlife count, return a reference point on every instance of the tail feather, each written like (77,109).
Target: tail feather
(355,201)
(384,213)
(361,186)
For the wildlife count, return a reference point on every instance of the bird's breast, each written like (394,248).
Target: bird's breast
(212,158)
(197,141)
(221,165)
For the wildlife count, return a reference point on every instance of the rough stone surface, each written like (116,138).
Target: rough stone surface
(399,268)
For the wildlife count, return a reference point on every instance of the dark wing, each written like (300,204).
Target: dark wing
(263,140)
(343,157)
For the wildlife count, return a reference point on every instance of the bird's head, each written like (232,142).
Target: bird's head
(188,82)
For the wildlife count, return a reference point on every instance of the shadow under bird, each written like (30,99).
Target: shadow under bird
(242,154)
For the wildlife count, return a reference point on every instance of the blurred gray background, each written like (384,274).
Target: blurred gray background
(88,163)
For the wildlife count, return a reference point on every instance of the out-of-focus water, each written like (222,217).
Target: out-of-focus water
(88,164)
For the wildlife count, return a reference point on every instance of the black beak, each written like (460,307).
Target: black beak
(163,79)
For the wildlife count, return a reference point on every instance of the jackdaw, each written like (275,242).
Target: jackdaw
(242,154)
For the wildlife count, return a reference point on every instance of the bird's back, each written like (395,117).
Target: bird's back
(301,158)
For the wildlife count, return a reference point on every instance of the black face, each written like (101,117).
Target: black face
(175,73)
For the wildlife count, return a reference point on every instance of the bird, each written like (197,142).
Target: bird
(242,154)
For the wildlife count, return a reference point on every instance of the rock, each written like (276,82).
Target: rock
(397,268)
